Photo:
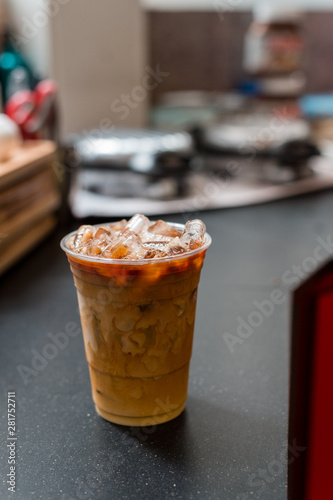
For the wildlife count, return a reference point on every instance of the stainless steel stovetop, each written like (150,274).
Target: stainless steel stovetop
(155,173)
(206,191)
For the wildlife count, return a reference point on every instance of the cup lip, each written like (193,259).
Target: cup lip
(136,262)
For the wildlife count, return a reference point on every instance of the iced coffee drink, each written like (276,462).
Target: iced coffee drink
(137,286)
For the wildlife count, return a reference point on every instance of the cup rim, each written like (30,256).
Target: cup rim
(136,262)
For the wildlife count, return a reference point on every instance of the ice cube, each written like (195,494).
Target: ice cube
(176,245)
(131,346)
(181,306)
(95,250)
(163,228)
(84,249)
(127,243)
(83,235)
(103,236)
(148,237)
(155,249)
(118,226)
(138,224)
(137,238)
(136,252)
(100,241)
(127,317)
(194,234)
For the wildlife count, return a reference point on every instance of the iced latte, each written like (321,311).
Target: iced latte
(137,286)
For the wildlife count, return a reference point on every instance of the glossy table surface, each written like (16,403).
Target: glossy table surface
(231,441)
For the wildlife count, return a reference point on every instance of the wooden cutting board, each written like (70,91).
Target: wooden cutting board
(19,197)
(27,160)
(11,229)
(29,195)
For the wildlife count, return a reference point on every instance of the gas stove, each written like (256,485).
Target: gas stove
(158,173)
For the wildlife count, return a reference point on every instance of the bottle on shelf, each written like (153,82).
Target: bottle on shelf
(273,54)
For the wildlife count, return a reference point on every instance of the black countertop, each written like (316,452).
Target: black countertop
(231,441)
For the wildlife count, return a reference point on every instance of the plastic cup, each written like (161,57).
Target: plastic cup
(137,320)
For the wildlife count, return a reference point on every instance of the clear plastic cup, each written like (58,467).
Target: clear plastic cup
(138,319)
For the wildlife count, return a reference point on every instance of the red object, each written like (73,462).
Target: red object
(320,461)
(34,111)
(311,394)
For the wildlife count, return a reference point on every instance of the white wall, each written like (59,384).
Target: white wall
(94,49)
(32,26)
(98,54)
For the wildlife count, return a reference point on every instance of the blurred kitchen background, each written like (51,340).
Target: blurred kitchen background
(97,51)
(160,106)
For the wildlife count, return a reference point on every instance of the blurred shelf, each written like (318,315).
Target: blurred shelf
(29,197)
